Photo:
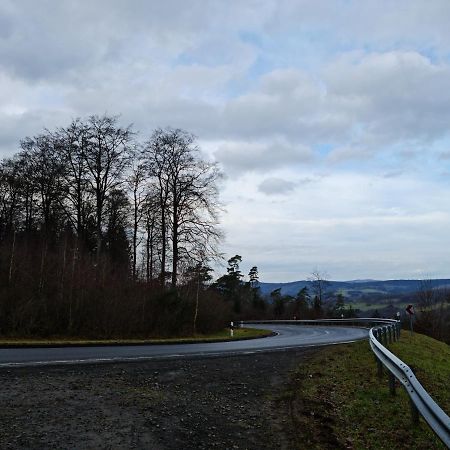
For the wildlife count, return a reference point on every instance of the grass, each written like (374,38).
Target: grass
(337,401)
(363,305)
(59,341)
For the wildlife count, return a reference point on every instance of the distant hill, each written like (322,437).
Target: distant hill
(357,289)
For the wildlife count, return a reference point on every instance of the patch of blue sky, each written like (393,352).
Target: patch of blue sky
(256,39)
(433,55)
(208,55)
(281,51)
(411,159)
(307,50)
(184,59)
(248,82)
(323,149)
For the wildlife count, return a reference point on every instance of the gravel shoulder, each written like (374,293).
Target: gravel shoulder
(226,403)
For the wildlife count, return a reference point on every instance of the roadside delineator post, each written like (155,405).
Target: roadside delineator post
(414,413)
(391,383)
(380,369)
(231,329)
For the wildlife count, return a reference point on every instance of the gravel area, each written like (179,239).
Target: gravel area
(230,402)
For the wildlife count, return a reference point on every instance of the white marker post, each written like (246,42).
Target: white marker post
(231,329)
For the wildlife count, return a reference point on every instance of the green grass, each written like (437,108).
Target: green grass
(337,401)
(367,305)
(56,341)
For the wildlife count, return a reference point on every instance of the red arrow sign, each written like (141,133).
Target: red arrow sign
(410,309)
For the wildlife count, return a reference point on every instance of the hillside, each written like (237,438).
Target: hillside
(356,288)
(384,296)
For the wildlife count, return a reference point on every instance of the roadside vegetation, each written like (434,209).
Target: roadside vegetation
(336,399)
(58,341)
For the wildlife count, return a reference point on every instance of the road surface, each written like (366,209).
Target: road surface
(288,336)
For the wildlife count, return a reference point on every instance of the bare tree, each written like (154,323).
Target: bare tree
(138,187)
(73,145)
(152,231)
(155,156)
(319,287)
(47,174)
(107,157)
(188,197)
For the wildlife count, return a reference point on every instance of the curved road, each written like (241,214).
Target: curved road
(289,336)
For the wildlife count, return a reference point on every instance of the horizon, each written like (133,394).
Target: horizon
(368,280)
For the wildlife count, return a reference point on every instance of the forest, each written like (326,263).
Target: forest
(103,233)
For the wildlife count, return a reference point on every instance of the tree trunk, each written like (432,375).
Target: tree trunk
(135,232)
(11,261)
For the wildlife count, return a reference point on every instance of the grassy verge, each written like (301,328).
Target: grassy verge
(58,341)
(336,400)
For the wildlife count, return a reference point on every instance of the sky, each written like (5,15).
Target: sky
(329,118)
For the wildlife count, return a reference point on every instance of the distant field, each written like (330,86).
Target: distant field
(365,306)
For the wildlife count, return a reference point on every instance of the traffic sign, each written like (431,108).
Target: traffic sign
(410,309)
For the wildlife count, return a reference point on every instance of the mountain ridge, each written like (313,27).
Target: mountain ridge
(357,288)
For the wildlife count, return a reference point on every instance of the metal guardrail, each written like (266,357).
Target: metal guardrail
(383,332)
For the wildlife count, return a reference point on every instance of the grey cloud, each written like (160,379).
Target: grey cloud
(392,174)
(13,128)
(285,102)
(445,156)
(238,156)
(51,39)
(276,186)
(400,95)
(307,180)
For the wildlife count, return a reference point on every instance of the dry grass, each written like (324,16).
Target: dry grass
(58,341)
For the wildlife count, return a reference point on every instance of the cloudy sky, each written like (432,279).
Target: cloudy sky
(330,119)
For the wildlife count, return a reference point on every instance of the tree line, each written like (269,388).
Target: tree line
(101,232)
(432,312)
(247,301)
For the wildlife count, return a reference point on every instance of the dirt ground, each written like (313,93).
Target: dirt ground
(224,403)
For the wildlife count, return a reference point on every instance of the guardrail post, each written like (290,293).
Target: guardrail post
(379,369)
(391,384)
(414,413)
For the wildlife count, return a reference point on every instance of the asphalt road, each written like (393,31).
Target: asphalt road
(289,336)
